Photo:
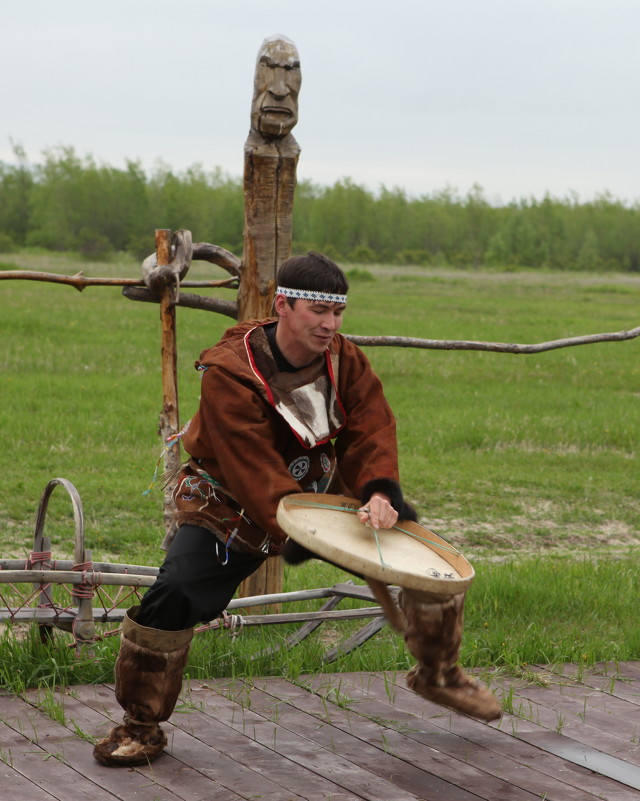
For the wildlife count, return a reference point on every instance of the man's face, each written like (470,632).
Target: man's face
(307,328)
(274,110)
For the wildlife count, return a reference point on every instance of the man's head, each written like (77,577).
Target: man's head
(274,110)
(314,272)
(310,300)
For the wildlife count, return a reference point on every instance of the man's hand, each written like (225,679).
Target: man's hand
(378,512)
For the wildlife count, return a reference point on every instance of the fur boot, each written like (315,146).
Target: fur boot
(433,635)
(148,681)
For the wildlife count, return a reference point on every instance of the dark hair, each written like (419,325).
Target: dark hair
(313,271)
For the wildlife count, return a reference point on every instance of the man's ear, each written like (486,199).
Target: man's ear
(280,305)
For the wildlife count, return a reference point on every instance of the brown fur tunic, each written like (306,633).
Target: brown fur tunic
(260,434)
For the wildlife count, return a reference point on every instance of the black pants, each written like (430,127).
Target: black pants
(196,581)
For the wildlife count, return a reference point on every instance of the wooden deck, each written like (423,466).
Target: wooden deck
(566,736)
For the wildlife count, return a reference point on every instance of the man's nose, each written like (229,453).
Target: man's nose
(278,86)
(331,322)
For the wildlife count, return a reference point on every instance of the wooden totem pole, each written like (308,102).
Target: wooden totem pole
(270,161)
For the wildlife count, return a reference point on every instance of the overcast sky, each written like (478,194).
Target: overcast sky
(522,97)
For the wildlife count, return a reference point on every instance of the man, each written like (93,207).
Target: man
(287,405)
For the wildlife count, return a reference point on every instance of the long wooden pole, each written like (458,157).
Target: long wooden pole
(80,282)
(169,421)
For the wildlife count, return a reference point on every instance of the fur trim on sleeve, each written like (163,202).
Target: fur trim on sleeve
(295,554)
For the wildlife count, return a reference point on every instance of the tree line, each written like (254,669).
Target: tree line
(69,203)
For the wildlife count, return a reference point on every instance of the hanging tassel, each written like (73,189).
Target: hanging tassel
(165,479)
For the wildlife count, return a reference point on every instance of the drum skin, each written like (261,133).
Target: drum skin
(408,555)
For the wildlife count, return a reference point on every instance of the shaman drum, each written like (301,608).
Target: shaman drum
(408,555)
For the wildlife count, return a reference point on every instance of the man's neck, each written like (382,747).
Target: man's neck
(284,365)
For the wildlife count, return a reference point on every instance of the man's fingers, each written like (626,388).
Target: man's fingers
(378,517)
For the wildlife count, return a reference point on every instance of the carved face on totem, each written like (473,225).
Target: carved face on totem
(274,110)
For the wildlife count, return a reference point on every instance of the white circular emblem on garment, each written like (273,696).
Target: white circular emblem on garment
(325,462)
(300,467)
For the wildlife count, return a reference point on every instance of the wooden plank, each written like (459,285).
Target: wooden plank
(468,762)
(35,774)
(21,789)
(592,706)
(15,748)
(168,782)
(372,744)
(613,727)
(611,683)
(324,755)
(600,691)
(621,671)
(556,777)
(57,759)
(271,754)
(629,669)
(585,714)
(188,775)
(240,763)
(589,758)
(241,759)
(346,737)
(234,778)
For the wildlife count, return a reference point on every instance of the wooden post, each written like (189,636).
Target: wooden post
(169,423)
(270,161)
(269,186)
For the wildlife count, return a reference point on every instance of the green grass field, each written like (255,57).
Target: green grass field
(527,463)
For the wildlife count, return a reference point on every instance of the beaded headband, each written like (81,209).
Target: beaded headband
(310,294)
